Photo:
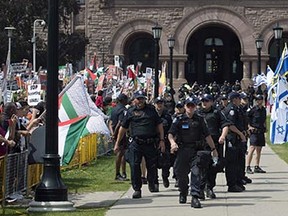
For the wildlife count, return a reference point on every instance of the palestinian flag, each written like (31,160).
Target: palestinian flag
(70,133)
(73,101)
(91,74)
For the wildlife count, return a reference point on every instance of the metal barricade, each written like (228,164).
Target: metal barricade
(2,177)
(16,173)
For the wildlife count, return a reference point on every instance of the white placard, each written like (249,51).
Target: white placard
(34,94)
(148,74)
(116,61)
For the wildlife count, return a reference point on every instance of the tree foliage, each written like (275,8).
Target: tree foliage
(21,15)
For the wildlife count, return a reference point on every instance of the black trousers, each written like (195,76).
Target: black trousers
(134,156)
(209,174)
(235,163)
(184,164)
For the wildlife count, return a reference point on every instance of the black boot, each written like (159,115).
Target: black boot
(195,203)
(182,198)
(137,194)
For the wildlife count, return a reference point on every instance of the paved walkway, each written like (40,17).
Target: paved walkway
(266,196)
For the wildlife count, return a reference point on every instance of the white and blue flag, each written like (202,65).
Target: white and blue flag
(279,114)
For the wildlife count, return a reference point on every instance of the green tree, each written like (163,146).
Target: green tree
(21,14)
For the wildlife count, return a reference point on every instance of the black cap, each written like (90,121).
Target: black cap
(191,100)
(233,95)
(259,97)
(207,97)
(139,94)
(179,104)
(243,95)
(122,97)
(224,97)
(159,99)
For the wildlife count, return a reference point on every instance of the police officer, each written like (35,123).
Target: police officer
(146,134)
(222,104)
(235,142)
(179,109)
(218,127)
(191,131)
(164,158)
(116,117)
(257,128)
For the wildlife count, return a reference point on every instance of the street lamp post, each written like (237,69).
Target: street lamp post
(157,30)
(278,36)
(171,44)
(259,45)
(42,22)
(103,62)
(51,194)
(9,30)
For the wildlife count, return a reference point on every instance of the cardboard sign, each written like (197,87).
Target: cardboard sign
(34,94)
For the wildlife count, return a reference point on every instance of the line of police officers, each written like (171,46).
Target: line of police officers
(196,137)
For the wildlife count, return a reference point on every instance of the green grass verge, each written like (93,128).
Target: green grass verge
(281,150)
(78,212)
(97,176)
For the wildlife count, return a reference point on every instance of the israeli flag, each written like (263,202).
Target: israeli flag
(279,114)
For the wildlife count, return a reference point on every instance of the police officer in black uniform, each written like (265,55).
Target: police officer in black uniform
(164,158)
(146,135)
(257,128)
(191,132)
(235,143)
(218,127)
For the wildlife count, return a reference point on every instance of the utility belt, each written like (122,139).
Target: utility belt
(141,141)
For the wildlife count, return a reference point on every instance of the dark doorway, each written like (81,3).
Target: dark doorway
(140,48)
(213,55)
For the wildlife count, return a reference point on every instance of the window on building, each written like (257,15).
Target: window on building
(211,46)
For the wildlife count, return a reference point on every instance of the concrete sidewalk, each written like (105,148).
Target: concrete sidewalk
(266,196)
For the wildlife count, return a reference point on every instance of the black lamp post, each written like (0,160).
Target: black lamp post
(51,187)
(259,45)
(103,62)
(157,30)
(171,44)
(278,36)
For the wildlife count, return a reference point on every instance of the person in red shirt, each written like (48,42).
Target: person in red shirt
(99,99)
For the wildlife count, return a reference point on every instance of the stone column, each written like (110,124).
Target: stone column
(181,69)
(254,69)
(174,70)
(246,70)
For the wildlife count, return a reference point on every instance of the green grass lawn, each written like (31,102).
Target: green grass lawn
(97,176)
(78,212)
(281,150)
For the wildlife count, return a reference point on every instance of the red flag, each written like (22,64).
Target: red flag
(91,74)
(131,74)
(93,64)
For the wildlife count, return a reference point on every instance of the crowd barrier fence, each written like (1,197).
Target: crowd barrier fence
(16,176)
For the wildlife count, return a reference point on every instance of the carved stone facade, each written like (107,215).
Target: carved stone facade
(110,24)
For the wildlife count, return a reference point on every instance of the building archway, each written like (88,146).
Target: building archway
(213,55)
(139,47)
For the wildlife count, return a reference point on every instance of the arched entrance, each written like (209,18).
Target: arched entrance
(213,55)
(140,48)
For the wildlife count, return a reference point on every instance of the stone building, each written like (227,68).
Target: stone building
(214,40)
